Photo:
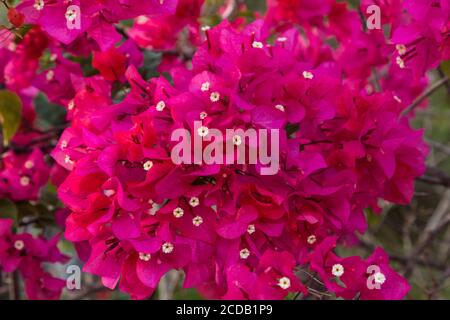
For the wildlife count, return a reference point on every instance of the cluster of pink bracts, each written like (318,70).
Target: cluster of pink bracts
(345,142)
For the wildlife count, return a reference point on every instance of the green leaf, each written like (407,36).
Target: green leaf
(10,114)
(445,67)
(8,210)
(49,114)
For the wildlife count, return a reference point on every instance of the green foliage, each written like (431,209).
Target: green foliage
(8,210)
(10,114)
(49,114)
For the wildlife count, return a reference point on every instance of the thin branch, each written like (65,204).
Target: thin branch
(438,146)
(438,219)
(425,95)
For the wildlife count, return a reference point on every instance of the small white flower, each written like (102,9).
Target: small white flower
(282,39)
(337,270)
(167,247)
(206,28)
(214,97)
(29,164)
(251,229)
(71,105)
(160,106)
(148,165)
(39,5)
(71,15)
(203,131)
(19,245)
(144,256)
(237,140)
(244,253)
(280,107)
(401,49)
(257,45)
(50,75)
(379,278)
(109,192)
(308,75)
(67,159)
(178,212)
(197,221)
(203,115)
(311,239)
(63,144)
(284,283)
(400,62)
(142,19)
(205,86)
(152,211)
(194,201)
(24,181)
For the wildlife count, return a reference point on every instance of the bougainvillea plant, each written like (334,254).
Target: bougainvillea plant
(92,92)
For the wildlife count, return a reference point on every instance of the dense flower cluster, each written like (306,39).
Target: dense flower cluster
(26,254)
(235,233)
(335,91)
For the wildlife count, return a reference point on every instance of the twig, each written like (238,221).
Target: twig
(436,176)
(14,286)
(438,219)
(425,95)
(442,75)
(438,146)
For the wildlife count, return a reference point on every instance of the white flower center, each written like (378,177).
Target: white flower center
(145,256)
(311,239)
(178,212)
(203,131)
(280,107)
(308,75)
(214,97)
(50,75)
(167,247)
(109,192)
(337,270)
(71,105)
(203,115)
(67,159)
(379,278)
(205,86)
(29,164)
(148,165)
(284,283)
(39,5)
(24,181)
(244,253)
(19,245)
(237,140)
(160,106)
(400,62)
(142,19)
(401,49)
(251,229)
(197,221)
(257,45)
(71,15)
(194,202)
